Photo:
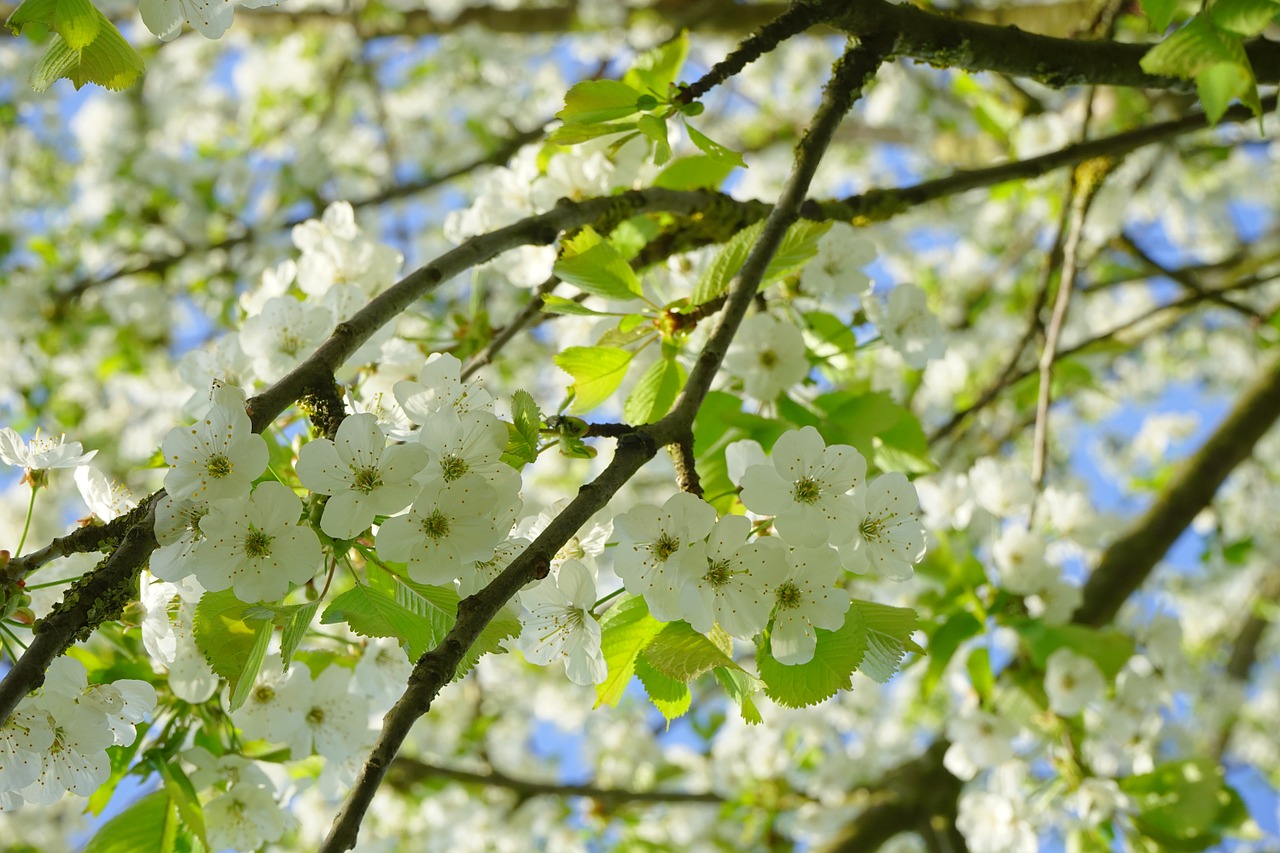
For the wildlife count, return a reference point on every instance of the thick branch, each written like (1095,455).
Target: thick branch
(950,42)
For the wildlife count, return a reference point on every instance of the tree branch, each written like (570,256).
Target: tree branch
(950,42)
(408,771)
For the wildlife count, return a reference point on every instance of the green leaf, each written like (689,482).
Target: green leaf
(657,389)
(34,12)
(668,695)
(1109,649)
(552,304)
(1159,13)
(740,687)
(832,335)
(798,246)
(109,61)
(1219,85)
(295,627)
(1190,50)
(1244,17)
(373,613)
(597,372)
(903,447)
(693,173)
(591,264)
(856,419)
(148,826)
(183,795)
(943,645)
(528,425)
(835,657)
(573,134)
(682,653)
(1184,805)
(714,149)
(624,632)
(232,643)
(657,68)
(655,128)
(978,664)
(595,101)
(888,638)
(77,21)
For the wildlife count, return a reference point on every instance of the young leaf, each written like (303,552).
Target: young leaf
(667,694)
(655,392)
(655,128)
(1244,17)
(656,69)
(1219,85)
(740,687)
(682,653)
(624,632)
(109,61)
(295,627)
(573,134)
(528,425)
(888,638)
(150,824)
(597,267)
(714,149)
(595,101)
(693,173)
(552,304)
(1159,13)
(837,654)
(233,643)
(1190,50)
(373,613)
(798,246)
(597,372)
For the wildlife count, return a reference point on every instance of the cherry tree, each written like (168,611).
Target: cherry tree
(660,425)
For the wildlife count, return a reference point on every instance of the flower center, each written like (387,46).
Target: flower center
(806,491)
(666,546)
(315,717)
(453,466)
(257,543)
(290,343)
(367,479)
(768,359)
(789,596)
(718,572)
(872,529)
(436,525)
(218,466)
(263,694)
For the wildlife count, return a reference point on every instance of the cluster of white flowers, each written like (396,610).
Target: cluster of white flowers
(690,566)
(55,742)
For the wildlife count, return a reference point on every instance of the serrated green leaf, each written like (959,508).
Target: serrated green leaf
(1244,17)
(836,655)
(232,643)
(596,267)
(798,246)
(888,638)
(108,61)
(597,372)
(740,687)
(693,173)
(1159,13)
(624,632)
(1192,49)
(656,69)
(657,389)
(595,101)
(1109,649)
(528,424)
(34,12)
(682,653)
(78,22)
(148,826)
(373,613)
(552,304)
(668,695)
(714,149)
(1219,85)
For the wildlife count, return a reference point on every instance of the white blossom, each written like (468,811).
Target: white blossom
(805,599)
(217,458)
(1072,681)
(907,325)
(726,581)
(837,268)
(888,538)
(652,544)
(560,625)
(768,354)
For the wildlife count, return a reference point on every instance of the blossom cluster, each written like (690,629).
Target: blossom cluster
(55,742)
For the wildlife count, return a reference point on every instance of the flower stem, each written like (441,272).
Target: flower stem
(609,597)
(31,505)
